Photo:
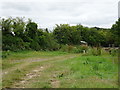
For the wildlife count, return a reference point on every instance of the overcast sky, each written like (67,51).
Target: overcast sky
(47,13)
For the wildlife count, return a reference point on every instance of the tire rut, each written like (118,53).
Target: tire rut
(36,73)
(26,62)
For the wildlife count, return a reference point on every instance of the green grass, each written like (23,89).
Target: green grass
(84,69)
(19,69)
(79,75)
(11,57)
(63,72)
(31,54)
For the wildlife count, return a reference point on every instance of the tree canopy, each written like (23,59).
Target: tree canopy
(18,34)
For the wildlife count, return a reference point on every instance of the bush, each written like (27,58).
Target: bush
(12,43)
(114,52)
(27,45)
(70,48)
(5,54)
(74,49)
(81,49)
(64,48)
(35,46)
(96,51)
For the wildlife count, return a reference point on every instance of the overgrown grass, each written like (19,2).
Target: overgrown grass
(87,50)
(19,72)
(10,57)
(80,72)
(84,71)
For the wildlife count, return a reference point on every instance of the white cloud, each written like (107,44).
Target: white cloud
(47,13)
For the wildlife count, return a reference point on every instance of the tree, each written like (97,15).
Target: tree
(116,31)
(6,26)
(18,27)
(76,34)
(61,33)
(31,29)
(19,35)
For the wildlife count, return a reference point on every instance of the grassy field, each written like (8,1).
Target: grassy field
(31,69)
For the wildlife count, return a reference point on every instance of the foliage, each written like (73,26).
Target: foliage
(19,34)
(72,35)
(96,51)
(74,49)
(81,49)
(116,31)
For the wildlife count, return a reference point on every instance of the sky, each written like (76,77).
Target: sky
(47,13)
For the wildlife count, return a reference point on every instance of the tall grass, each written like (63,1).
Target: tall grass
(87,71)
(87,50)
(74,49)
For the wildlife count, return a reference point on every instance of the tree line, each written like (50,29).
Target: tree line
(18,34)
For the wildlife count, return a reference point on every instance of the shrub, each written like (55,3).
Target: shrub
(80,49)
(5,54)
(35,46)
(73,49)
(12,43)
(64,48)
(70,48)
(114,52)
(27,45)
(96,51)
